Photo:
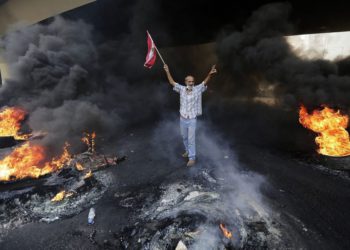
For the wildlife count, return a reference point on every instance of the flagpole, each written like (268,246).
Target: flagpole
(161,58)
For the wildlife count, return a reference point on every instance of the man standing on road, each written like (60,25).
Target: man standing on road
(190,108)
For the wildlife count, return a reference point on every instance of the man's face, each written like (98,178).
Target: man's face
(189,81)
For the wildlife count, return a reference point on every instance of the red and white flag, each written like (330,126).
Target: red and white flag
(151,53)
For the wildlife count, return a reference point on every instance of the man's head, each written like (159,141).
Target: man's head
(189,80)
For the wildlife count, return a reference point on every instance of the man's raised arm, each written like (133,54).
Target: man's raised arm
(170,78)
(211,72)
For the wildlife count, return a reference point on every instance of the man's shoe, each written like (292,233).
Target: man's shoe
(185,155)
(190,163)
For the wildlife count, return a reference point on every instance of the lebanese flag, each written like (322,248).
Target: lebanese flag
(151,53)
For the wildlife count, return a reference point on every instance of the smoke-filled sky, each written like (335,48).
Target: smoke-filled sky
(70,83)
(259,53)
(73,76)
(198,21)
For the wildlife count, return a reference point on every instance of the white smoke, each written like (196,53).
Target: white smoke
(240,200)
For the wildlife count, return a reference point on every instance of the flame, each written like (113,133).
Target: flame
(89,140)
(59,196)
(87,175)
(69,194)
(28,160)
(10,123)
(333,139)
(226,232)
(79,166)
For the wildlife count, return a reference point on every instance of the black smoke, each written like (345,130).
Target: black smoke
(259,52)
(71,80)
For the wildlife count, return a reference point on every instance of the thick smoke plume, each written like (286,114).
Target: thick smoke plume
(70,84)
(260,53)
(56,77)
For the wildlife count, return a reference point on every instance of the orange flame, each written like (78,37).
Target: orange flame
(79,166)
(226,232)
(10,123)
(59,196)
(87,175)
(333,139)
(28,160)
(89,140)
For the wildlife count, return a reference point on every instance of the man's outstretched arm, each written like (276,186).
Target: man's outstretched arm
(211,72)
(170,78)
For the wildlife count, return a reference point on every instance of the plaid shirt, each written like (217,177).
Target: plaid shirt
(190,101)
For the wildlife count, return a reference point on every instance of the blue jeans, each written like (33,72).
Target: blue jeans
(188,133)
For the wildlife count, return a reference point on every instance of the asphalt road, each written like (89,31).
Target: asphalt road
(309,197)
